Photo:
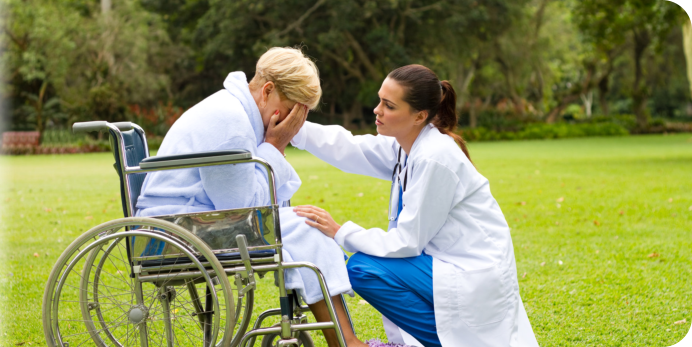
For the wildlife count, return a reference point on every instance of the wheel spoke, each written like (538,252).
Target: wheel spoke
(98,295)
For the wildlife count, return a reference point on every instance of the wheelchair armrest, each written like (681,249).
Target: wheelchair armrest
(195,158)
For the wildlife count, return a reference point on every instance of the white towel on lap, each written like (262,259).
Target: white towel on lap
(302,242)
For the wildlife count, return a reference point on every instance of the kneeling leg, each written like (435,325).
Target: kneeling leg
(400,289)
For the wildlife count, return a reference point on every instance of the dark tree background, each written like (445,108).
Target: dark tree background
(511,62)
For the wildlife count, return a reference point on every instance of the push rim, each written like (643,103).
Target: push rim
(96,240)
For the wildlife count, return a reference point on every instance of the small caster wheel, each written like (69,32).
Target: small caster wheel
(304,340)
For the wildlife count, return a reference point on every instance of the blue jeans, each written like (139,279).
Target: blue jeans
(401,289)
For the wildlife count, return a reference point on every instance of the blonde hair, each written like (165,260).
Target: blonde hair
(295,75)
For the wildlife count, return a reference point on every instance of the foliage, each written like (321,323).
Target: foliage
(355,43)
(122,61)
(511,62)
(609,25)
(63,137)
(546,131)
(156,120)
(40,41)
(67,58)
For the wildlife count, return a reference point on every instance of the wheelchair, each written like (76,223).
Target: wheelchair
(177,280)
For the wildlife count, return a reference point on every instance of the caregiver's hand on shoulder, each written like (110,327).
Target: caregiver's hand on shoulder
(318,218)
(280,133)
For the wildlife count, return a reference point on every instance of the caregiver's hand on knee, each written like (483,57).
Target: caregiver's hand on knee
(318,218)
(280,132)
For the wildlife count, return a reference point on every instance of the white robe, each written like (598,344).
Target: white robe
(448,212)
(230,119)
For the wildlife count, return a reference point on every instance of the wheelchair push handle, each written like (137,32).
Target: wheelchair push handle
(99,125)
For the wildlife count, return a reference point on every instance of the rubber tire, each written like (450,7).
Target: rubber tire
(132,221)
(247,318)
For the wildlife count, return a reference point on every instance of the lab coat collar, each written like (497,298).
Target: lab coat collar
(236,84)
(418,140)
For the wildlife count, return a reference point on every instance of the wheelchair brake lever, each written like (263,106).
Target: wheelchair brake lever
(248,273)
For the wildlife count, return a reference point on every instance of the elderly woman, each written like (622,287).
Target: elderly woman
(261,117)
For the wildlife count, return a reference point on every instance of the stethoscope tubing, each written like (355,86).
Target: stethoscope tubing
(398,166)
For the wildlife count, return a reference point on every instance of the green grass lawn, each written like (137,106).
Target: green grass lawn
(602,231)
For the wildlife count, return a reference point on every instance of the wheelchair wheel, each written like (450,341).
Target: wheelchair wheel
(243,316)
(93,296)
(304,339)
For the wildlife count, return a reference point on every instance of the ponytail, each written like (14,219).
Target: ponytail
(424,91)
(446,119)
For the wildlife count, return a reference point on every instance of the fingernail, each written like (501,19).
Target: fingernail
(277,112)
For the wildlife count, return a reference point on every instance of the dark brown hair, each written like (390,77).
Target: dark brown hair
(425,92)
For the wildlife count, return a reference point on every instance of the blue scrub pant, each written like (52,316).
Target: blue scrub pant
(401,289)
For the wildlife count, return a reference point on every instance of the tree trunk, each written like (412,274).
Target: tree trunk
(332,113)
(687,45)
(473,116)
(354,114)
(357,112)
(462,88)
(641,42)
(575,92)
(555,112)
(105,6)
(540,13)
(509,83)
(346,115)
(40,123)
(552,115)
(603,94)
(541,82)
(588,102)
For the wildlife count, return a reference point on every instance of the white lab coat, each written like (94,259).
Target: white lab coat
(448,212)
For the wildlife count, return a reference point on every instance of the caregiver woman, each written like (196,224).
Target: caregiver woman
(445,271)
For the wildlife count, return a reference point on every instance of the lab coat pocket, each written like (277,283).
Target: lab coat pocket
(484,296)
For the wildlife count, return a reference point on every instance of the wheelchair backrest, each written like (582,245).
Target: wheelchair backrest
(135,151)
(217,228)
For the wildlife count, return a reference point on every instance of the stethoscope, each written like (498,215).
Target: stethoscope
(391,198)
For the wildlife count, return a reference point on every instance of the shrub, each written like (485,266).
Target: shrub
(64,141)
(546,131)
(154,142)
(657,122)
(156,120)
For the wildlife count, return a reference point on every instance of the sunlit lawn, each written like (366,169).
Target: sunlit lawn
(602,231)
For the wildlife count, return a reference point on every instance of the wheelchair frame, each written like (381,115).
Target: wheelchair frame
(243,270)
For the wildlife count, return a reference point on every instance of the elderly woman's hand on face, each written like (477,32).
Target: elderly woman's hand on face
(281,132)
(319,219)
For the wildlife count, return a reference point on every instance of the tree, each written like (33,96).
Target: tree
(355,43)
(641,24)
(124,57)
(687,44)
(40,46)
(83,60)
